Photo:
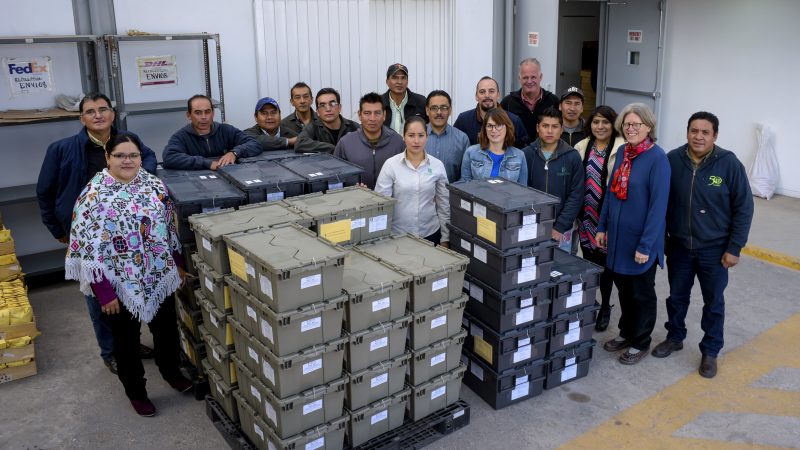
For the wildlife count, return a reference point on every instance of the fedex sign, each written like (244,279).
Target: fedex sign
(29,75)
(31,67)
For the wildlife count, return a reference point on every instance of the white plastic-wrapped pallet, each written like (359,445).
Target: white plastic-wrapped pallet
(765,174)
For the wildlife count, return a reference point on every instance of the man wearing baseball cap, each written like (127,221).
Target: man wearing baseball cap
(399,102)
(571,107)
(268,130)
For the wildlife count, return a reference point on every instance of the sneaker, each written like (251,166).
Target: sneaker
(145,352)
(144,408)
(629,358)
(180,384)
(111,363)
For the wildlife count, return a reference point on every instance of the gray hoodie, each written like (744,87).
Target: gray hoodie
(356,148)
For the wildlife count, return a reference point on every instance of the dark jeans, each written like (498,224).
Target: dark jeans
(102,328)
(638,304)
(164,328)
(435,237)
(606,278)
(682,266)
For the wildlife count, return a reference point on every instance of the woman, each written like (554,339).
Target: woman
(632,226)
(419,183)
(494,155)
(124,251)
(598,152)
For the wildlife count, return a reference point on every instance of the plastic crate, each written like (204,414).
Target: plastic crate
(376,291)
(572,328)
(439,322)
(212,285)
(190,317)
(264,181)
(193,349)
(221,391)
(375,344)
(435,394)
(507,387)
(270,155)
(220,358)
(436,359)
(569,364)
(216,323)
(323,172)
(576,282)
(502,351)
(377,418)
(509,310)
(378,381)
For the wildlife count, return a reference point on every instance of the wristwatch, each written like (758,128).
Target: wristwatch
(235,154)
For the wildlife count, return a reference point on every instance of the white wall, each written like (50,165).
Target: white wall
(738,60)
(541,16)
(473,51)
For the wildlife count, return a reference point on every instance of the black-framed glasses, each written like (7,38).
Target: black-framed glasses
(124,156)
(437,108)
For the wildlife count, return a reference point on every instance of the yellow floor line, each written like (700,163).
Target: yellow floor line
(651,423)
(772,256)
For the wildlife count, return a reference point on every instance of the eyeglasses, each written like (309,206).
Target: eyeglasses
(494,126)
(437,108)
(93,112)
(331,104)
(124,156)
(632,125)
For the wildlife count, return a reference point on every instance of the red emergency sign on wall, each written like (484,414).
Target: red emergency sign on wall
(635,36)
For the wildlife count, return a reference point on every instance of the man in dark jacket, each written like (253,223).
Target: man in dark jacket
(399,102)
(708,221)
(531,99)
(571,108)
(487,94)
(269,131)
(198,145)
(301,98)
(68,166)
(556,168)
(373,144)
(324,132)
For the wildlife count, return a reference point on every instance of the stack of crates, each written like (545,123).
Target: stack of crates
(437,306)
(286,293)
(323,172)
(264,181)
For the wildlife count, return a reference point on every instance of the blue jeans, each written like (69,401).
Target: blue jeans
(682,267)
(102,328)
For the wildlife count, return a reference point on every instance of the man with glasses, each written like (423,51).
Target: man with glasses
(487,94)
(324,132)
(301,98)
(531,99)
(445,142)
(268,130)
(204,143)
(68,166)
(399,102)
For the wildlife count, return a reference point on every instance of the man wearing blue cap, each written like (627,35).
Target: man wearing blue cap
(268,130)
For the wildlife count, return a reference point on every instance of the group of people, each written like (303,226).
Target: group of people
(621,198)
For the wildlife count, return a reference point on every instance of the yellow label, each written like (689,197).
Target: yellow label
(226,293)
(482,348)
(234,378)
(487,229)
(237,266)
(228,334)
(336,232)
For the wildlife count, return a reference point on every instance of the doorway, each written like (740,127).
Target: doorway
(579,25)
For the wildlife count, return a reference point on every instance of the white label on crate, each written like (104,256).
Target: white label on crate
(249,269)
(555,274)
(526,274)
(378,223)
(476,292)
(379,380)
(439,321)
(520,391)
(266,330)
(216,355)
(524,315)
(311,407)
(266,285)
(209,284)
(209,209)
(523,342)
(252,353)
(466,285)
(380,304)
(312,366)
(525,302)
(438,392)
(479,210)
(438,359)
(335,186)
(315,174)
(316,443)
(379,343)
(439,284)
(269,372)
(475,331)
(569,372)
(207,245)
(480,253)
(214,320)
(311,280)
(466,205)
(310,324)
(529,261)
(254,392)
(458,414)
(377,417)
(520,379)
(476,370)
(271,414)
(574,325)
(572,336)
(575,299)
(213,177)
(258,431)
(569,361)
(530,219)
(527,232)
(358,223)
(248,181)
(522,354)
(577,287)
(203,177)
(275,196)
(466,245)
(251,313)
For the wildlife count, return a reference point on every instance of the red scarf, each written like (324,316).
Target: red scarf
(619,186)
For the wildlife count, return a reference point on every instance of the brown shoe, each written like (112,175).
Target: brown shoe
(630,359)
(708,366)
(666,348)
(614,345)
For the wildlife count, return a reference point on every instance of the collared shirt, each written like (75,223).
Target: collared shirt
(531,103)
(448,148)
(277,132)
(691,158)
(423,201)
(397,113)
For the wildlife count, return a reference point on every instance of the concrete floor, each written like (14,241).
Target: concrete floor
(74,402)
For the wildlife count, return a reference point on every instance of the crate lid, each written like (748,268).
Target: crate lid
(352,198)
(259,215)
(442,379)
(386,402)
(567,267)
(271,155)
(535,290)
(383,366)
(416,256)
(364,273)
(528,330)
(315,166)
(259,174)
(204,186)
(499,193)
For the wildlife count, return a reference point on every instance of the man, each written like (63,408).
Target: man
(324,132)
(445,142)
(399,101)
(556,168)
(301,98)
(68,166)
(268,130)
(487,94)
(373,144)
(708,221)
(205,144)
(571,108)
(530,100)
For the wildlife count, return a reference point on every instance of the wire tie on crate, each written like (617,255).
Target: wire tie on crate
(381,286)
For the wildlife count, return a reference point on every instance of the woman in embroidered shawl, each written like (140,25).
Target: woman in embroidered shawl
(123,250)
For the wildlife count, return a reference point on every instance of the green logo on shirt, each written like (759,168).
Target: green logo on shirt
(715,181)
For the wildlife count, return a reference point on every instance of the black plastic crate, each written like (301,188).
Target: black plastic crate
(226,426)
(504,270)
(502,213)
(569,271)
(270,155)
(573,328)
(509,310)
(264,181)
(507,387)
(569,364)
(502,351)
(323,172)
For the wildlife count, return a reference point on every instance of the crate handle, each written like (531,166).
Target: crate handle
(314,260)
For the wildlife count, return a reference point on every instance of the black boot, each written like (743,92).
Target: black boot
(603,317)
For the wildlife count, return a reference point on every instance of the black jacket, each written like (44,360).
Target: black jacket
(561,176)
(293,125)
(709,206)
(187,150)
(415,106)
(317,138)
(268,142)
(513,103)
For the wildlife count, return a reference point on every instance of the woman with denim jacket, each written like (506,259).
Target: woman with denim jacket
(494,155)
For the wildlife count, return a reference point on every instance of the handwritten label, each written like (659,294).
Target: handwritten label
(336,232)
(438,359)
(266,330)
(479,253)
(520,391)
(569,361)
(379,343)
(466,205)
(251,313)
(527,232)
(381,304)
(266,285)
(377,417)
(378,380)
(530,219)
(524,315)
(522,354)
(312,366)
(439,284)
(358,223)
(438,392)
(237,264)
(377,223)
(269,372)
(529,261)
(310,324)
(310,281)
(311,407)
(466,245)
(569,373)
(479,210)
(487,229)
(439,321)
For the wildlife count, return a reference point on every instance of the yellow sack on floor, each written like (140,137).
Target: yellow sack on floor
(18,342)
(5,317)
(8,259)
(5,235)
(20,314)
(3,344)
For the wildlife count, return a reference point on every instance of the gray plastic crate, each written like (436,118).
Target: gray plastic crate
(219,357)
(436,359)
(291,415)
(288,332)
(212,284)
(286,266)
(328,436)
(348,216)
(379,381)
(210,227)
(435,394)
(439,322)
(376,291)
(221,391)
(438,272)
(291,374)
(190,317)
(216,323)
(377,418)
(377,343)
